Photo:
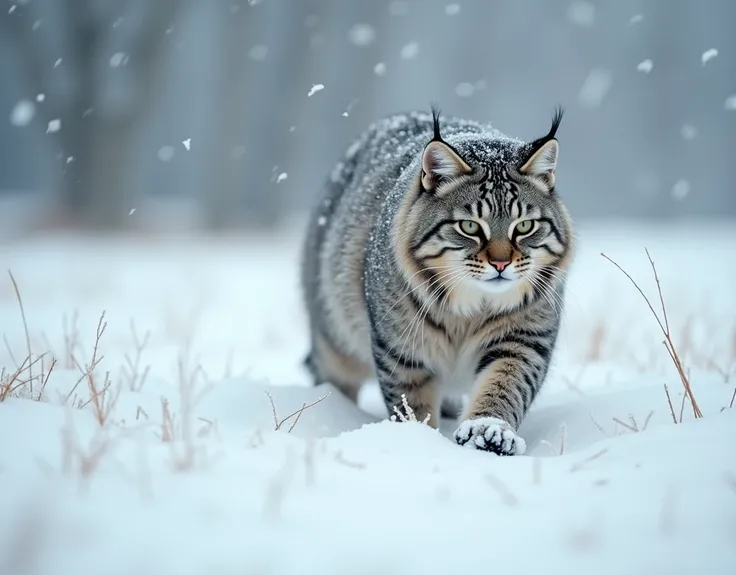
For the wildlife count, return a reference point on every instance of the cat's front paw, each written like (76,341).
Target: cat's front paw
(490,434)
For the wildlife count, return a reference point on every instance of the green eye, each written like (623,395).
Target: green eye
(469,227)
(525,227)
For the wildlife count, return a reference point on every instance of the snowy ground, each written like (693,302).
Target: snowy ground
(206,486)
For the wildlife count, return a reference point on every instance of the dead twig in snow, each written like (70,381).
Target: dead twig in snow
(503,490)
(132,373)
(354,464)
(578,466)
(11,383)
(563,436)
(25,327)
(298,413)
(730,405)
(71,338)
(665,328)
(669,402)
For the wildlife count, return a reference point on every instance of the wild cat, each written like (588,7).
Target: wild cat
(435,263)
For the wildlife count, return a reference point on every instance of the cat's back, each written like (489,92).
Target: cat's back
(341,224)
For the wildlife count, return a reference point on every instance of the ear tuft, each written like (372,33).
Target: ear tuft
(542,164)
(440,162)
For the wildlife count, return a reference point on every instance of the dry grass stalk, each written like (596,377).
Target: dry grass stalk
(13,382)
(25,328)
(536,471)
(596,343)
(507,497)
(167,422)
(10,351)
(84,461)
(409,413)
(101,398)
(669,402)
(563,436)
(633,425)
(277,488)
(340,458)
(132,374)
(183,433)
(46,379)
(71,338)
(730,405)
(298,413)
(581,464)
(598,425)
(665,328)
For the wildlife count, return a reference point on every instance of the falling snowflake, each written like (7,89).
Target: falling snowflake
(40,97)
(117,59)
(54,126)
(595,88)
(410,51)
(131,212)
(645,66)
(314,89)
(281,177)
(465,89)
(187,143)
(730,103)
(362,34)
(166,153)
(258,52)
(379,69)
(452,9)
(636,19)
(581,13)
(688,131)
(680,190)
(58,63)
(708,55)
(321,221)
(70,159)
(22,113)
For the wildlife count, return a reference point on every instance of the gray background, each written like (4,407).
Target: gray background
(233,76)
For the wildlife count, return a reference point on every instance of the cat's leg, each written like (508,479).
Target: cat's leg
(508,377)
(451,407)
(327,364)
(399,376)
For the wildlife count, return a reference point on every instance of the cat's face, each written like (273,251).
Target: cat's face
(493,232)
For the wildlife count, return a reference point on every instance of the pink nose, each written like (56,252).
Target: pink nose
(500,265)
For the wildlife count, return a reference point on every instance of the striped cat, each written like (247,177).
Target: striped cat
(436,263)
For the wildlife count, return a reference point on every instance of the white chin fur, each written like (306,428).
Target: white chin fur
(498,286)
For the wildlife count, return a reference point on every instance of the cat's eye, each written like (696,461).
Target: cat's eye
(524,227)
(470,227)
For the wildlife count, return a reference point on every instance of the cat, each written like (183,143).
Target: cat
(436,263)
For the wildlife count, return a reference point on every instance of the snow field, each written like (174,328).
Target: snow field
(187,474)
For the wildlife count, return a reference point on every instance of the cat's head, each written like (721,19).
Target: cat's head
(485,224)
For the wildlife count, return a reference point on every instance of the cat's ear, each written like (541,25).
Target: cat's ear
(439,161)
(542,161)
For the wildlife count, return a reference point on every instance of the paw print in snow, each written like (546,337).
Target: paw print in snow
(490,434)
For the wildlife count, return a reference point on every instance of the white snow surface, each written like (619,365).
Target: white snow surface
(608,484)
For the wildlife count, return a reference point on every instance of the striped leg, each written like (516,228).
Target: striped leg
(398,376)
(508,376)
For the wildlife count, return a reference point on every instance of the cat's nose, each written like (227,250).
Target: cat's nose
(500,265)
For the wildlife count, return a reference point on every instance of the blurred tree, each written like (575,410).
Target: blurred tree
(96,63)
